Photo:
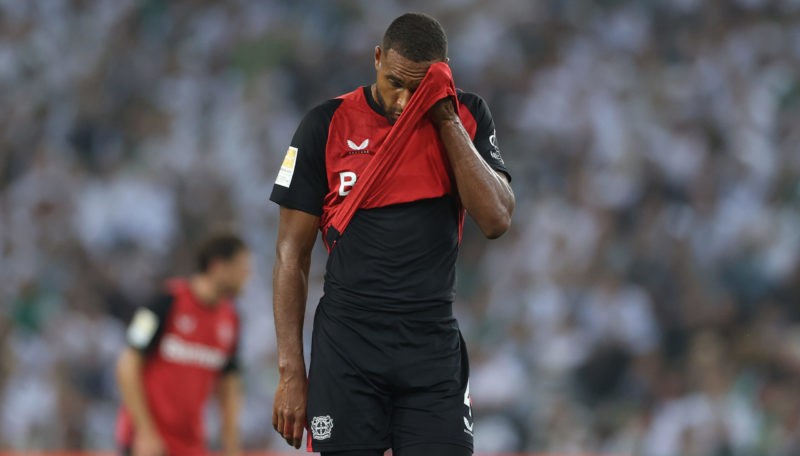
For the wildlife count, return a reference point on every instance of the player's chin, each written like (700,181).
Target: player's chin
(232,292)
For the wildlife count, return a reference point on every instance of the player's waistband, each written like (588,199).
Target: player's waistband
(405,310)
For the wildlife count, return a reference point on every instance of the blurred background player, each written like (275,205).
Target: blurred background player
(181,346)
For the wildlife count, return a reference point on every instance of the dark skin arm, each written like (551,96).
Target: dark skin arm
(297,232)
(485,193)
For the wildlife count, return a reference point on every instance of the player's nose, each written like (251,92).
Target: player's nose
(402,100)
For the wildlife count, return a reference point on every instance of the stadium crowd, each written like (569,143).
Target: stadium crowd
(645,301)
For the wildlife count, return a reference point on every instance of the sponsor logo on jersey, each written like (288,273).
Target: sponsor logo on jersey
(321,427)
(347,179)
(495,152)
(185,324)
(179,351)
(358,149)
(287,168)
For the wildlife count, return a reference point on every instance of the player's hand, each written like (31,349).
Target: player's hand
(442,111)
(148,443)
(289,407)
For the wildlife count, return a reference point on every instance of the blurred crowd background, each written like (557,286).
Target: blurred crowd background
(646,300)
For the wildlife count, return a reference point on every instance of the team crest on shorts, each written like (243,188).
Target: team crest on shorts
(321,427)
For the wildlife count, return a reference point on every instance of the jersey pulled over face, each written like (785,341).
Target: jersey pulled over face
(397,79)
(398,257)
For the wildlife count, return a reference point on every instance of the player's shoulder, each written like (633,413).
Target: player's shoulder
(323,111)
(474,103)
(228,305)
(314,125)
(468,97)
(319,118)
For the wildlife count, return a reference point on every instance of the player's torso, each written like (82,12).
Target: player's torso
(357,131)
(354,135)
(400,248)
(197,338)
(195,345)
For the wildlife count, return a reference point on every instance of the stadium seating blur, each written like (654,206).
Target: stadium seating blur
(644,302)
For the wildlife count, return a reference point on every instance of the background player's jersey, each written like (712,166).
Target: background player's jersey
(399,257)
(187,345)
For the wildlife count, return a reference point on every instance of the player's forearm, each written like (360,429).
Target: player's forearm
(485,194)
(129,377)
(230,398)
(290,290)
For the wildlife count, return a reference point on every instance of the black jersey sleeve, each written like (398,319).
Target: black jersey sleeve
(233,363)
(147,324)
(485,134)
(302,181)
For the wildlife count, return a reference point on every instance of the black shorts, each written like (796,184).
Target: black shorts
(381,381)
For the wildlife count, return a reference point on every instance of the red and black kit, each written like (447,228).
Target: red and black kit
(187,346)
(388,364)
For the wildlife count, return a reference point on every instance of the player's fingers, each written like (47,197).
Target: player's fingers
(286,429)
(280,422)
(299,425)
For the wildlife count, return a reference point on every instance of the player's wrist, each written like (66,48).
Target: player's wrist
(443,112)
(454,122)
(292,368)
(146,428)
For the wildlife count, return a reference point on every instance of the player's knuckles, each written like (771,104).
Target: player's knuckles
(287,412)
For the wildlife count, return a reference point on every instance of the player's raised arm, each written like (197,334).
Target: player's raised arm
(297,232)
(484,192)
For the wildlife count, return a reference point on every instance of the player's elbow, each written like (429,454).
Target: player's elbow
(498,221)
(497,226)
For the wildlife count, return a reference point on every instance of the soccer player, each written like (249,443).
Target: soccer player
(388,365)
(182,345)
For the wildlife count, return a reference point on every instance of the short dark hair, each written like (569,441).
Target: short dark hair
(417,37)
(220,245)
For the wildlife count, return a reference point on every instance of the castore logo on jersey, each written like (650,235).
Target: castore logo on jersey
(185,323)
(358,149)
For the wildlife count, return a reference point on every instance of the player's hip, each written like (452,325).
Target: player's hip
(393,353)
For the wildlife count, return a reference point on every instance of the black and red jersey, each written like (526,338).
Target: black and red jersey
(400,253)
(187,345)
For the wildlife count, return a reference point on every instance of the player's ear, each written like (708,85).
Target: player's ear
(213,266)
(377,57)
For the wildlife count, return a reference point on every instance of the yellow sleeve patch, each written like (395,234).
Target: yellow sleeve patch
(287,168)
(142,328)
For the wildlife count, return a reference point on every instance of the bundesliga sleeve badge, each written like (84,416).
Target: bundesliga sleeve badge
(143,328)
(287,168)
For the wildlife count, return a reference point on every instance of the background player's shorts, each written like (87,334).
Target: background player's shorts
(386,380)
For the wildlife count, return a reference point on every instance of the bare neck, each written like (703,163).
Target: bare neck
(203,288)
